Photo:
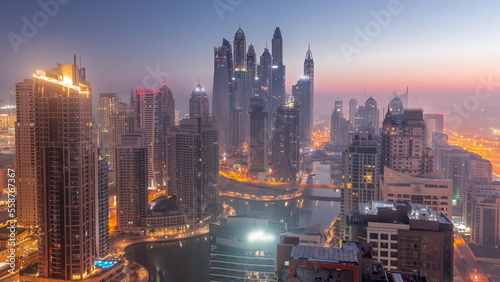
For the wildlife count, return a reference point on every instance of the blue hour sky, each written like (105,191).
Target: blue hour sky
(438,48)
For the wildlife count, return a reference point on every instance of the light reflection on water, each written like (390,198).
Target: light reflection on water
(169,262)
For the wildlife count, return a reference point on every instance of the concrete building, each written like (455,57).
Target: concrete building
(340,128)
(432,190)
(406,237)
(193,167)
(286,143)
(361,172)
(131,180)
(105,110)
(403,142)
(258,146)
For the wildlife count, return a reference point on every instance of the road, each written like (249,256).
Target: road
(465,263)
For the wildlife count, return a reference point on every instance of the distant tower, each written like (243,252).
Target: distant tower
(105,110)
(372,116)
(353,108)
(407,132)
(240,47)
(286,143)
(198,104)
(121,123)
(194,176)
(278,93)
(222,92)
(257,155)
(102,206)
(302,95)
(339,133)
(131,178)
(309,66)
(264,75)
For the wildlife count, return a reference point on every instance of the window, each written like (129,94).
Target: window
(394,254)
(384,245)
(394,246)
(394,237)
(394,263)
(384,236)
(373,235)
(384,253)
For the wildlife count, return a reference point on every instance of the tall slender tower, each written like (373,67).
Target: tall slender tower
(240,47)
(155,113)
(303,94)
(286,153)
(198,104)
(241,93)
(221,94)
(278,93)
(105,110)
(65,161)
(257,152)
(25,154)
(264,75)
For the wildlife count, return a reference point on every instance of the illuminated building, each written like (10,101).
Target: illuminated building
(155,113)
(286,145)
(277,96)
(121,124)
(406,237)
(243,249)
(131,180)
(340,127)
(105,109)
(396,108)
(55,119)
(102,207)
(432,189)
(257,155)
(222,92)
(240,47)
(193,171)
(403,142)
(26,175)
(198,104)
(361,172)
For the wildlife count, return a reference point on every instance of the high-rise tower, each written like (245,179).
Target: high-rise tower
(278,93)
(240,47)
(105,110)
(264,75)
(286,145)
(257,151)
(198,104)
(60,103)
(303,94)
(194,177)
(222,89)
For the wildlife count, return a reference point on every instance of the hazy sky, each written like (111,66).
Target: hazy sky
(440,49)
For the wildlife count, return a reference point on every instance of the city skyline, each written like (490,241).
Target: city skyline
(432,53)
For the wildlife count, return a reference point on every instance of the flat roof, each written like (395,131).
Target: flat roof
(314,253)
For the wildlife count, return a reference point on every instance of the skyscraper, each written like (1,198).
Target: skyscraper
(222,92)
(361,172)
(65,170)
(25,153)
(368,118)
(121,124)
(303,94)
(240,47)
(194,177)
(277,95)
(198,104)
(102,206)
(403,142)
(286,143)
(257,153)
(131,180)
(155,113)
(353,108)
(339,133)
(264,75)
(241,94)
(105,110)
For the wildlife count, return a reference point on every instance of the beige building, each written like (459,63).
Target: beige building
(429,189)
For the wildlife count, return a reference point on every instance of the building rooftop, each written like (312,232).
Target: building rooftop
(322,254)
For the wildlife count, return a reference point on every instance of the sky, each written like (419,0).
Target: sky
(442,50)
